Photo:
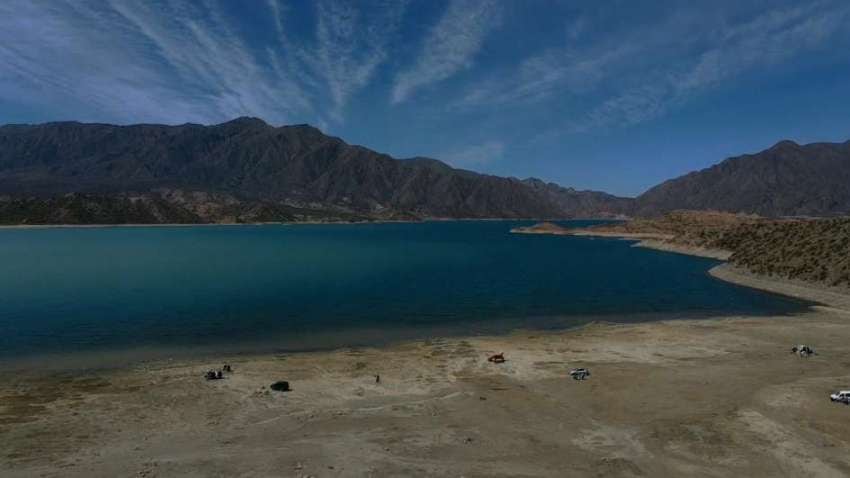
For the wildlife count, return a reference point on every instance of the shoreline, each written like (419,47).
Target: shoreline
(818,293)
(666,398)
(658,242)
(285,223)
(660,245)
(828,296)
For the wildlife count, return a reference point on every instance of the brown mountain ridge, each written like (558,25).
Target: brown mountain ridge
(787,179)
(246,170)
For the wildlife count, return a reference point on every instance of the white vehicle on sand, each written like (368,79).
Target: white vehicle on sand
(842,397)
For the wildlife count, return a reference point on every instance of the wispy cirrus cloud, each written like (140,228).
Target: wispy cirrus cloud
(642,72)
(551,72)
(768,39)
(450,45)
(762,42)
(277,9)
(140,61)
(350,45)
(201,47)
(574,68)
(173,61)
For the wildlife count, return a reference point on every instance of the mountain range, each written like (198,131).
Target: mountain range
(246,170)
(787,179)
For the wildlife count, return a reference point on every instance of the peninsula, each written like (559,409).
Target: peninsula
(810,255)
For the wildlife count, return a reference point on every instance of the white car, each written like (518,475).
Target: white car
(842,397)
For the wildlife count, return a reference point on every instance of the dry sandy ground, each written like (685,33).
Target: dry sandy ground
(837,297)
(721,397)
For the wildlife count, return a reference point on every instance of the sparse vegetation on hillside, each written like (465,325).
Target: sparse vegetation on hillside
(160,207)
(92,209)
(814,250)
(810,250)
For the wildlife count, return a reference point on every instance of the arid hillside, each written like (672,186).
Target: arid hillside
(787,179)
(246,170)
(812,250)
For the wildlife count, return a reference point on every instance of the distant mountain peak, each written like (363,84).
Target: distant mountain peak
(788,179)
(245,121)
(533,180)
(785,144)
(541,184)
(303,127)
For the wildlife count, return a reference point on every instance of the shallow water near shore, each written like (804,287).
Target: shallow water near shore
(166,290)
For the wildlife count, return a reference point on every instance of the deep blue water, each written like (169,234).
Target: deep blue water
(309,286)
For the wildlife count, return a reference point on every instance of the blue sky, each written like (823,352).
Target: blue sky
(609,95)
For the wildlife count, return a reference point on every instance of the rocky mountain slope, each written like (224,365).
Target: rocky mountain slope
(582,203)
(786,180)
(247,170)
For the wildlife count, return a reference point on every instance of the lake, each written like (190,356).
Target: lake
(161,291)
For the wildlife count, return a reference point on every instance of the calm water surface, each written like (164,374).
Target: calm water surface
(247,288)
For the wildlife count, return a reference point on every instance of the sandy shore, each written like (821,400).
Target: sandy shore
(697,398)
(662,245)
(830,296)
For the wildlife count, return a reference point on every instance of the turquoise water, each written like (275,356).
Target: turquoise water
(247,288)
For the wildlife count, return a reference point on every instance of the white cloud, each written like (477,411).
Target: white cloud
(175,61)
(475,155)
(203,49)
(450,46)
(638,73)
(277,16)
(552,72)
(350,46)
(139,61)
(630,107)
(762,42)
(577,27)
(572,68)
(768,39)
